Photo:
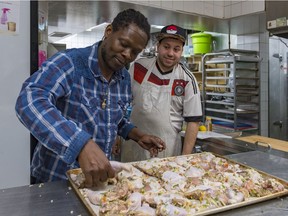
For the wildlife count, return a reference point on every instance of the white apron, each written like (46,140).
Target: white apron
(151,113)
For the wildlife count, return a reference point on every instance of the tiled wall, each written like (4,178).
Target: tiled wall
(216,8)
(264,69)
(239,8)
(84,40)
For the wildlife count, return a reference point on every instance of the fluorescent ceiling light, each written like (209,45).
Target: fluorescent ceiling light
(59,34)
(98,26)
(157,26)
(65,39)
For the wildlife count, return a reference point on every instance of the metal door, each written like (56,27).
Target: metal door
(278,92)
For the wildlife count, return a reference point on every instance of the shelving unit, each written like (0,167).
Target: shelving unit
(230,89)
(194,64)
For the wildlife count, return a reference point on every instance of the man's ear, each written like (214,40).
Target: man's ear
(108,30)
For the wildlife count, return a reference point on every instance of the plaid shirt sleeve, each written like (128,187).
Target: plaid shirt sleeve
(36,108)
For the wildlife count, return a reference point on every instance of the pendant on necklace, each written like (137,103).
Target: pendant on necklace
(103,105)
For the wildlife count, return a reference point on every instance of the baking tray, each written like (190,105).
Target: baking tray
(94,210)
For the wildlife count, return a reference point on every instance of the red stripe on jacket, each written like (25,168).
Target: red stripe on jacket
(139,72)
(156,80)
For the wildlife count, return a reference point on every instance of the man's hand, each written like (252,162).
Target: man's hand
(94,164)
(116,148)
(152,143)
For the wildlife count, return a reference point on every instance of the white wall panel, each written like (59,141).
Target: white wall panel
(14,69)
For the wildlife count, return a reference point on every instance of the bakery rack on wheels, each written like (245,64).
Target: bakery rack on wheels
(231,90)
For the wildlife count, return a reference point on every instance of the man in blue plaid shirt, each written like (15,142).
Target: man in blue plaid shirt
(75,104)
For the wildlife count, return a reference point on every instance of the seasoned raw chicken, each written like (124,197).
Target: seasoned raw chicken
(177,186)
(134,201)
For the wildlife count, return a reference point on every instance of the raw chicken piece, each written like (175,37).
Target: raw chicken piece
(102,198)
(234,196)
(273,185)
(118,166)
(95,197)
(182,161)
(233,178)
(171,165)
(152,184)
(204,165)
(144,210)
(193,181)
(167,209)
(194,172)
(116,207)
(196,191)
(181,201)
(78,179)
(134,201)
(155,199)
(207,156)
(136,184)
(255,176)
(177,199)
(173,181)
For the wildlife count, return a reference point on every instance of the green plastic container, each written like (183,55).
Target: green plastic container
(202,43)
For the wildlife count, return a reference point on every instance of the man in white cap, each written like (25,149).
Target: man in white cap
(165,94)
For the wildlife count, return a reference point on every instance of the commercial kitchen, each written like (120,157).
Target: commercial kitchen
(251,33)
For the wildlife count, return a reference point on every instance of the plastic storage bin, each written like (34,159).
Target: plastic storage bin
(202,43)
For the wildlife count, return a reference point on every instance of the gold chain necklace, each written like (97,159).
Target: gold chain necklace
(104,101)
(103,105)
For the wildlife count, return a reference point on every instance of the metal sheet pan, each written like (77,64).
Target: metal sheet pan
(94,210)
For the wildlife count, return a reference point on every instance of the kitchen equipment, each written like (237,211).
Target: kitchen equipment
(278,88)
(231,89)
(202,43)
(275,143)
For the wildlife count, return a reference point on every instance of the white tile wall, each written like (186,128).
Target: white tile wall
(219,3)
(227,3)
(155,3)
(208,8)
(194,6)
(213,8)
(178,5)
(247,7)
(227,11)
(264,104)
(258,5)
(167,4)
(236,9)
(218,11)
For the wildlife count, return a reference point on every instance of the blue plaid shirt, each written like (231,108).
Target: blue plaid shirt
(61,106)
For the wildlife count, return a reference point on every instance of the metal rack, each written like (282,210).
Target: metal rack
(231,89)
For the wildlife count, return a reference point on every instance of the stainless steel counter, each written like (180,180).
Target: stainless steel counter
(49,199)
(224,146)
